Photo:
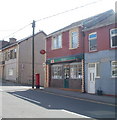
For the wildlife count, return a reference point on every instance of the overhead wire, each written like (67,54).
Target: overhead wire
(53,16)
(68,10)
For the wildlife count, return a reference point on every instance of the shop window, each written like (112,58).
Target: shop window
(93,41)
(113,37)
(56,71)
(76,71)
(114,68)
(57,42)
(74,41)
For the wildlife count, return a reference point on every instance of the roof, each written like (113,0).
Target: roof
(26,38)
(19,41)
(87,23)
(9,45)
(108,19)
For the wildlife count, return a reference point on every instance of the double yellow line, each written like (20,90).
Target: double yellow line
(76,98)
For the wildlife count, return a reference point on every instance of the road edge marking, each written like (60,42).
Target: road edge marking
(80,98)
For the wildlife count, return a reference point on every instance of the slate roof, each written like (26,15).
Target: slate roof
(17,42)
(90,22)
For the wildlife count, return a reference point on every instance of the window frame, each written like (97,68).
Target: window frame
(52,72)
(56,38)
(111,37)
(78,76)
(95,67)
(10,71)
(89,39)
(112,70)
(71,38)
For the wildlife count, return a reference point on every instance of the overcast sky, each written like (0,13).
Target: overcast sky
(16,14)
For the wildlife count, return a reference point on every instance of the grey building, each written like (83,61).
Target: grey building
(17,59)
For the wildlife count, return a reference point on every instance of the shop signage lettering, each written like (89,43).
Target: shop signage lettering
(63,59)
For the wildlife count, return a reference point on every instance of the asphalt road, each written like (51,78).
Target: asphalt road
(23,102)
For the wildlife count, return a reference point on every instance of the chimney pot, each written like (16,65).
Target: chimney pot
(12,40)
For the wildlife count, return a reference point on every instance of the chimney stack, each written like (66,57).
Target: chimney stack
(12,40)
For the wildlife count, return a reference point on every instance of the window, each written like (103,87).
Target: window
(93,41)
(74,39)
(10,71)
(97,69)
(13,54)
(6,55)
(114,68)
(57,42)
(76,71)
(113,37)
(56,71)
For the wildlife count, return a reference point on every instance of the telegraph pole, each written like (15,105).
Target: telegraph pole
(33,26)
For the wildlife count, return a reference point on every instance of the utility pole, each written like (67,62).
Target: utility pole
(33,26)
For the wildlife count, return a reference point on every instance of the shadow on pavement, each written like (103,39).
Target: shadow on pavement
(50,101)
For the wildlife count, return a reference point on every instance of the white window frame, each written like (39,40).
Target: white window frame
(71,38)
(92,39)
(10,71)
(98,63)
(56,38)
(95,67)
(77,76)
(112,69)
(55,66)
(111,37)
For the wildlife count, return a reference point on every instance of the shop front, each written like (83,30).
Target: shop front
(66,72)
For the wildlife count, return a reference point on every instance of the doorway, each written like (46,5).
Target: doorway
(66,75)
(91,80)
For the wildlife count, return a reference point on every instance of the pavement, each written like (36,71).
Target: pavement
(75,94)
(82,96)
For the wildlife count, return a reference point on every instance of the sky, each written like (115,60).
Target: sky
(19,14)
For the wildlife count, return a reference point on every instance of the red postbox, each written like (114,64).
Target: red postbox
(37,80)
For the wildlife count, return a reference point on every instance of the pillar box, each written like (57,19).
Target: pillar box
(37,75)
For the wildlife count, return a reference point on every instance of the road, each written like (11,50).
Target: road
(23,102)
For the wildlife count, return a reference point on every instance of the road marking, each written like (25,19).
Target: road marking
(80,98)
(1,90)
(26,98)
(79,115)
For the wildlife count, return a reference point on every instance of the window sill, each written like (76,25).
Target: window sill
(93,51)
(97,77)
(72,48)
(113,46)
(56,48)
(113,77)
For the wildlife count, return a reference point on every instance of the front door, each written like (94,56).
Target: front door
(66,76)
(91,80)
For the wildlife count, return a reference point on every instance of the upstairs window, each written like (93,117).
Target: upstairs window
(113,37)
(74,39)
(57,42)
(93,41)
(13,54)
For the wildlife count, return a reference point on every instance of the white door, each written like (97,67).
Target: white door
(91,80)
